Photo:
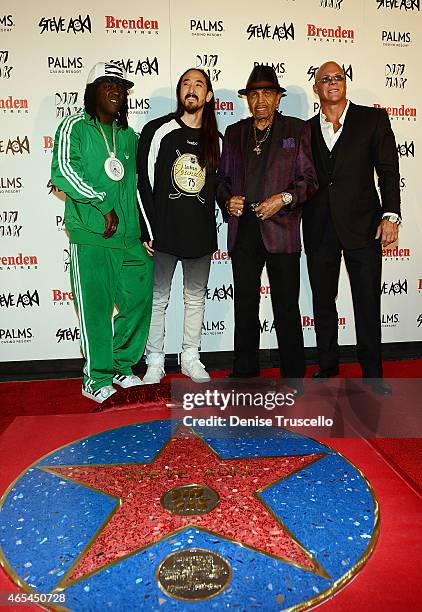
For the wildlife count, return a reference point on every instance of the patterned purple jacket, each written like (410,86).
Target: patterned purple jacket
(289,168)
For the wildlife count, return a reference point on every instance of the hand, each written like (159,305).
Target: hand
(148,246)
(269,207)
(388,232)
(111,223)
(235,206)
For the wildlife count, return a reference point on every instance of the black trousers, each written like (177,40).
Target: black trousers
(364,269)
(283,269)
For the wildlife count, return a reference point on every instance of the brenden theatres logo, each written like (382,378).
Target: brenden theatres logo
(67,103)
(278,67)
(394,287)
(15,146)
(26,299)
(395,75)
(68,334)
(309,323)
(61,298)
(9,224)
(16,335)
(6,23)
(65,25)
(396,254)
(401,5)
(402,112)
(65,65)
(333,4)
(48,144)
(406,149)
(18,262)
(348,71)
(390,320)
(394,38)
(140,25)
(220,257)
(213,328)
(326,34)
(278,32)
(10,185)
(5,67)
(138,106)
(209,63)
(14,105)
(206,27)
(224,107)
(139,67)
(220,294)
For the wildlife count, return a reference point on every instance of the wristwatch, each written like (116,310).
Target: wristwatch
(393,218)
(286,197)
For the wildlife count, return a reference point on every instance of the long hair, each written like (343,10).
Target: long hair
(209,146)
(89,103)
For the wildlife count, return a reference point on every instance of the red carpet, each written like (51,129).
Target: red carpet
(390,581)
(64,397)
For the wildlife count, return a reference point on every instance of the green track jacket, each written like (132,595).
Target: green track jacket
(78,170)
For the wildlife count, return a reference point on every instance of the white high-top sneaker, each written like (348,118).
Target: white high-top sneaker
(155,371)
(192,367)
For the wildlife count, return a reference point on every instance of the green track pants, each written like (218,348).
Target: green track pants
(102,278)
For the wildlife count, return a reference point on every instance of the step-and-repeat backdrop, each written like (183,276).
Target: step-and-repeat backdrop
(46,51)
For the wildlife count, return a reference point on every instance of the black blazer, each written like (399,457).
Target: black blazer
(366,144)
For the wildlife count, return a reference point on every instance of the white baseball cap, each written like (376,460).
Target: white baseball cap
(109,71)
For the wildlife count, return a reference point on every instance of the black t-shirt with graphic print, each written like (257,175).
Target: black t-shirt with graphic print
(175,192)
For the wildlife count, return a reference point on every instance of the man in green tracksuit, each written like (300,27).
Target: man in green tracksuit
(94,163)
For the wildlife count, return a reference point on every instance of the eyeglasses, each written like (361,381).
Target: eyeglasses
(328,79)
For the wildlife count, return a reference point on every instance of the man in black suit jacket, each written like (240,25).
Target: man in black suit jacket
(346,216)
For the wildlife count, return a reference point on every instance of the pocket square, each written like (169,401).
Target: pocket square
(288,143)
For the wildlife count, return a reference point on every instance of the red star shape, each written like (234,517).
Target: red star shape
(140,520)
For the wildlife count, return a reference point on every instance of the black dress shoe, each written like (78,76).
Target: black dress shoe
(324,373)
(239,375)
(378,386)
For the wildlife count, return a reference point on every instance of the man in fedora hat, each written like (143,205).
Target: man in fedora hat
(94,163)
(265,176)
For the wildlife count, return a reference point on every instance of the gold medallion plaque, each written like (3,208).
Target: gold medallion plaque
(188,500)
(193,574)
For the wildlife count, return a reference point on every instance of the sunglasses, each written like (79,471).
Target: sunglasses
(328,79)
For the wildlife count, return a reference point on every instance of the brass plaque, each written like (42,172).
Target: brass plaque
(188,500)
(193,574)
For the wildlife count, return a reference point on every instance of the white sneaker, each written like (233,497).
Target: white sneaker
(195,370)
(100,395)
(153,375)
(127,381)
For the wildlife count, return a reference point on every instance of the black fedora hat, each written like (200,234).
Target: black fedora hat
(262,77)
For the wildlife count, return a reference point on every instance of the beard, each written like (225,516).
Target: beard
(192,106)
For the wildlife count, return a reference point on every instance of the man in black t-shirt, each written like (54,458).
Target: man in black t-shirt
(177,159)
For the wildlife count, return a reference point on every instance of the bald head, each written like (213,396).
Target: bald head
(328,68)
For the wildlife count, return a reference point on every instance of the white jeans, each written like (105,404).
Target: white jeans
(195,279)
